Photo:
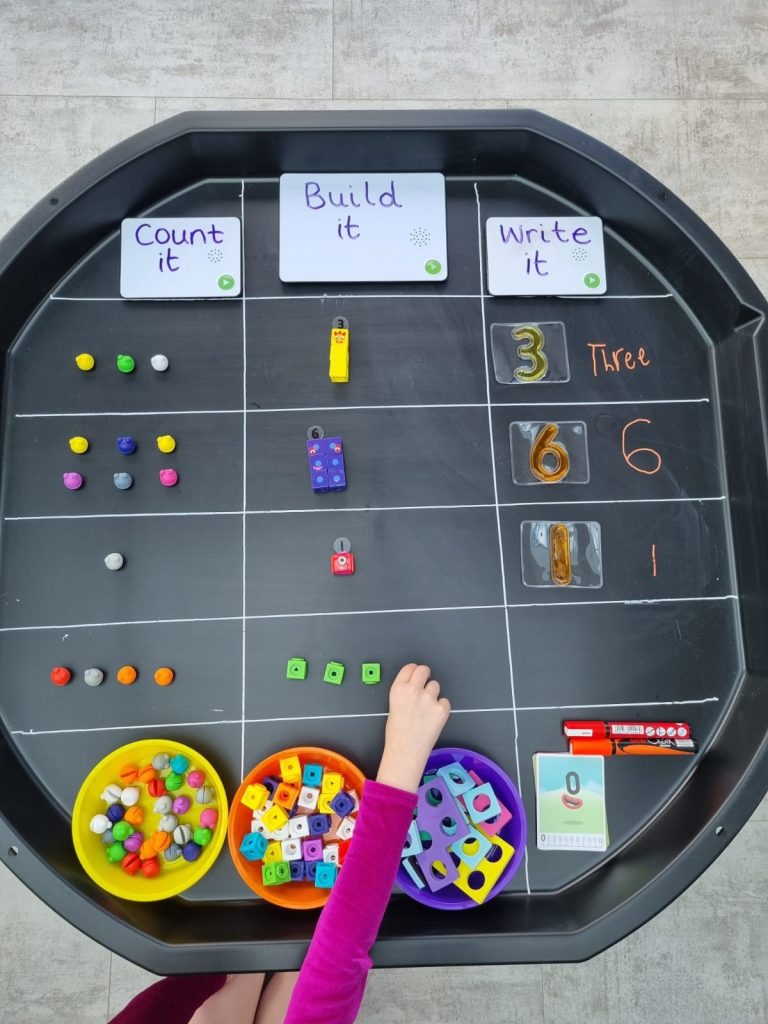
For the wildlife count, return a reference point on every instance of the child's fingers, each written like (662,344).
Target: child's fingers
(405,673)
(433,688)
(445,704)
(420,676)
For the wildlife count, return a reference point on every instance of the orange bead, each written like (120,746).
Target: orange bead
(164,676)
(147,773)
(160,841)
(128,774)
(127,675)
(147,850)
(134,815)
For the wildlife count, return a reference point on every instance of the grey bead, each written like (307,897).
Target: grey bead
(173,852)
(163,804)
(205,795)
(160,762)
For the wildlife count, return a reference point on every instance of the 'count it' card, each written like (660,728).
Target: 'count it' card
(570,802)
(545,255)
(362,227)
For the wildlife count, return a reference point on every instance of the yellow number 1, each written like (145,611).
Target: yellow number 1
(533,351)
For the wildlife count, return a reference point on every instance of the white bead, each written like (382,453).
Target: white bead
(159,363)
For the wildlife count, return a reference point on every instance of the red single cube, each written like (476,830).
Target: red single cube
(342,564)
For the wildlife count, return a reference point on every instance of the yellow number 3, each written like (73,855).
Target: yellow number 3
(533,351)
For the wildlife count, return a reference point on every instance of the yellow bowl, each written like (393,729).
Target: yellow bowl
(174,877)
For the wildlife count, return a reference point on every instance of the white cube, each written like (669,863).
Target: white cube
(260,827)
(308,797)
(280,834)
(346,828)
(331,853)
(298,827)
(291,849)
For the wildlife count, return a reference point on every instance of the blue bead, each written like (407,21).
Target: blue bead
(115,812)
(126,445)
(191,851)
(179,764)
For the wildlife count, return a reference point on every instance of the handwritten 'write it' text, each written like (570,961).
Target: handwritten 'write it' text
(145,234)
(534,236)
(316,199)
(614,360)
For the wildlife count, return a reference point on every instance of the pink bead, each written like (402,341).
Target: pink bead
(133,842)
(181,804)
(72,481)
(195,779)
(169,477)
(209,818)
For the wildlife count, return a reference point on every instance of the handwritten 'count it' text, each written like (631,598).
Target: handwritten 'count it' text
(317,199)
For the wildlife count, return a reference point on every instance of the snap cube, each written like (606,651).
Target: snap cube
(296,668)
(282,872)
(346,828)
(334,673)
(290,769)
(280,833)
(253,846)
(343,563)
(333,783)
(269,874)
(319,824)
(273,852)
(318,467)
(371,673)
(324,803)
(331,853)
(297,870)
(325,876)
(310,868)
(338,356)
(308,797)
(312,849)
(312,775)
(291,849)
(274,818)
(286,796)
(342,804)
(271,783)
(334,459)
(255,796)
(258,827)
(298,827)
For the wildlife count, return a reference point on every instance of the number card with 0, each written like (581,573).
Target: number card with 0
(549,453)
(530,353)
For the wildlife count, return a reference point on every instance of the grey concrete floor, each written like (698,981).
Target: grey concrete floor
(680,86)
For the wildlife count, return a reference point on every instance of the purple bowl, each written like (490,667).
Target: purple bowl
(514,832)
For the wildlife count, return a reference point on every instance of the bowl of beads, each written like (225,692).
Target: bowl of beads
(149,820)
(468,835)
(291,823)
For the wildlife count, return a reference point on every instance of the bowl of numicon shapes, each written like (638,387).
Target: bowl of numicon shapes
(291,824)
(149,820)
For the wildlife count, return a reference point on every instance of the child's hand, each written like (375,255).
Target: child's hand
(417,714)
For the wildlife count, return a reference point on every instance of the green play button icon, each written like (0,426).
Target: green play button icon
(433,266)
(226,282)
(591,280)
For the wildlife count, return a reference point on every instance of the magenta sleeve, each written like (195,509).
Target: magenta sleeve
(332,980)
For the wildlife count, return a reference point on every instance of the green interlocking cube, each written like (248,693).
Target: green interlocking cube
(269,874)
(282,872)
(334,673)
(297,668)
(371,672)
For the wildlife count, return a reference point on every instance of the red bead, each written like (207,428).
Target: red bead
(343,563)
(156,787)
(343,848)
(131,863)
(60,676)
(151,867)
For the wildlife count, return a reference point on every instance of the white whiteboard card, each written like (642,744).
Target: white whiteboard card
(545,256)
(362,227)
(180,257)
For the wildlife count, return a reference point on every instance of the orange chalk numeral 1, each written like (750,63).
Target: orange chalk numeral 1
(546,447)
(629,456)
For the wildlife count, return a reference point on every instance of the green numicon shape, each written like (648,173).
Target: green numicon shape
(126,364)
(334,673)
(371,672)
(297,668)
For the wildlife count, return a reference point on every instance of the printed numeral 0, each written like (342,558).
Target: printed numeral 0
(545,446)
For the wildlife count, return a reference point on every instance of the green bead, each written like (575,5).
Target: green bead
(202,836)
(121,831)
(334,673)
(282,872)
(115,852)
(126,364)
(297,668)
(371,672)
(174,781)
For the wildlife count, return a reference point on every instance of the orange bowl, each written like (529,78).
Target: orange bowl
(293,895)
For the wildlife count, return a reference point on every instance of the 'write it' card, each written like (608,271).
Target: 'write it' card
(545,255)
(362,227)
(570,802)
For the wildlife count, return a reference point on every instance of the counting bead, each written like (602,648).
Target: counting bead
(128,774)
(134,842)
(60,675)
(146,773)
(131,863)
(85,361)
(173,852)
(159,362)
(156,787)
(127,675)
(195,779)
(209,818)
(112,793)
(205,795)
(174,781)
(115,852)
(164,676)
(126,364)
(107,837)
(123,481)
(114,561)
(179,764)
(93,677)
(191,851)
(79,445)
(72,481)
(181,805)
(168,477)
(160,762)
(147,850)
(130,796)
(115,812)
(182,834)
(202,836)
(121,831)
(126,445)
(150,868)
(163,805)
(168,823)
(166,443)
(160,841)
(134,815)
(99,824)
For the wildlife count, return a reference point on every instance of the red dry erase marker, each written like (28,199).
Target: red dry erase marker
(628,730)
(609,748)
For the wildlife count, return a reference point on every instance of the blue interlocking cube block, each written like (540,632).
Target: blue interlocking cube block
(334,460)
(318,465)
(342,804)
(310,869)
(271,783)
(337,480)
(313,775)
(253,846)
(319,824)
(297,870)
(325,876)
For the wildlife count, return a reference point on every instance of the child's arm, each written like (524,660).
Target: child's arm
(332,979)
